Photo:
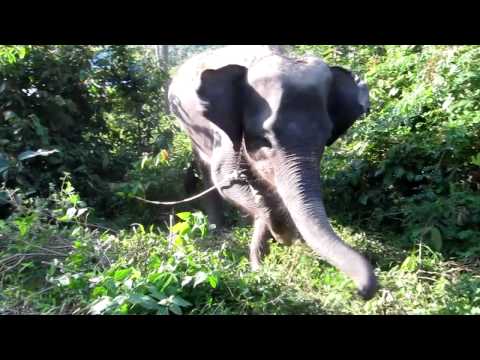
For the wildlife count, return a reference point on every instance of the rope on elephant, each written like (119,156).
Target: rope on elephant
(236,175)
(177,202)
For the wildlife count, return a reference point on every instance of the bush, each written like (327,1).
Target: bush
(99,107)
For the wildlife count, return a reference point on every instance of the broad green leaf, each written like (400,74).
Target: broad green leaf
(99,291)
(213,280)
(143,300)
(180,301)
(181,228)
(120,275)
(162,310)
(475,160)
(3,198)
(22,51)
(31,154)
(410,263)
(74,199)
(178,242)
(24,223)
(169,279)
(156,294)
(123,309)
(144,160)
(184,215)
(175,309)
(363,199)
(3,163)
(76,230)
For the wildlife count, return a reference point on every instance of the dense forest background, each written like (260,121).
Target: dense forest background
(85,129)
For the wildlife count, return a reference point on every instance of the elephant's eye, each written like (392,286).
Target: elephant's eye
(256,142)
(262,141)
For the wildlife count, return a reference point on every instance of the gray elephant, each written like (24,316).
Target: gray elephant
(259,122)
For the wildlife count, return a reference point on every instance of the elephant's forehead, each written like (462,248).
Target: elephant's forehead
(274,78)
(272,74)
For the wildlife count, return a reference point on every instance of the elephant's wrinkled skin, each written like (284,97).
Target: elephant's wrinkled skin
(252,110)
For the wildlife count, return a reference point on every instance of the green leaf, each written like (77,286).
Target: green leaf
(181,228)
(3,163)
(475,160)
(22,51)
(3,198)
(99,291)
(120,275)
(24,224)
(363,199)
(184,215)
(74,199)
(162,310)
(410,263)
(144,160)
(76,230)
(181,302)
(213,280)
(175,309)
(31,154)
(399,172)
(143,300)
(169,279)
(155,293)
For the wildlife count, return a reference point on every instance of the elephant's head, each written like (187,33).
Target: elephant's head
(284,112)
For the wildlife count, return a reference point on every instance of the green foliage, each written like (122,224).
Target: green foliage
(99,106)
(81,270)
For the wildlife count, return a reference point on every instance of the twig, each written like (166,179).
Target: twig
(26,255)
(13,266)
(41,248)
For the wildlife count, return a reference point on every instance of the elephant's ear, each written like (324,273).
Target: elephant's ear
(222,90)
(348,100)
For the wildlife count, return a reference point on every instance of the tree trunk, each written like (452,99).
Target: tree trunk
(165,57)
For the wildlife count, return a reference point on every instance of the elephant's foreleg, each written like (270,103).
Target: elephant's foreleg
(212,203)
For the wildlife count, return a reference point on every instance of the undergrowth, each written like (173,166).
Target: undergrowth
(56,262)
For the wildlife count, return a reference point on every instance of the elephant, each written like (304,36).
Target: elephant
(259,120)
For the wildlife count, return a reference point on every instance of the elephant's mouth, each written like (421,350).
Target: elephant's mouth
(261,164)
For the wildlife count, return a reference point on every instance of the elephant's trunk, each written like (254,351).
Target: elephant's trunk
(298,183)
